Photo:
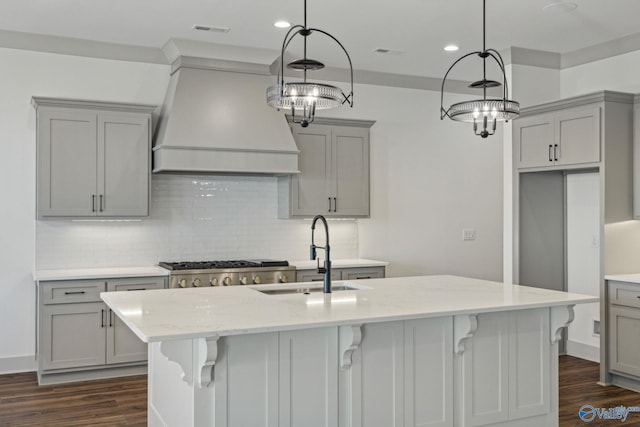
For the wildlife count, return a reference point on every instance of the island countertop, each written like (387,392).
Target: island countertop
(172,314)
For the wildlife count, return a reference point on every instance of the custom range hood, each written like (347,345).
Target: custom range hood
(216,121)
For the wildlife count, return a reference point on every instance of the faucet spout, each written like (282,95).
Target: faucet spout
(327,252)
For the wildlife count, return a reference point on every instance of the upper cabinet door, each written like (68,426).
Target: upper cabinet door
(578,136)
(533,137)
(310,193)
(94,158)
(351,171)
(66,146)
(123,164)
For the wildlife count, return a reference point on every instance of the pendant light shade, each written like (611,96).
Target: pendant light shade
(303,98)
(484,112)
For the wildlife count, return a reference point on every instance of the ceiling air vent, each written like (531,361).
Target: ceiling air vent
(386,51)
(213,29)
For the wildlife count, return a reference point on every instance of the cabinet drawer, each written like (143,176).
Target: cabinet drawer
(71,291)
(362,273)
(624,294)
(136,284)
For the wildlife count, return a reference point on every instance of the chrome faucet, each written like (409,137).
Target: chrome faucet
(327,257)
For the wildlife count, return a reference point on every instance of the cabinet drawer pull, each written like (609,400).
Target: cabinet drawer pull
(101,202)
(335,204)
(317,280)
(137,289)
(75,293)
(93,203)
(550,155)
(363,277)
(102,318)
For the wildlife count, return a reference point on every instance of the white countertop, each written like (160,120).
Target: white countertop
(96,273)
(169,314)
(631,278)
(339,263)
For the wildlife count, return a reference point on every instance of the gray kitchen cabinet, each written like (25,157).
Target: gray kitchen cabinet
(564,137)
(79,337)
(93,159)
(334,171)
(355,273)
(624,329)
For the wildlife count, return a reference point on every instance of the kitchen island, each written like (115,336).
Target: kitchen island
(429,351)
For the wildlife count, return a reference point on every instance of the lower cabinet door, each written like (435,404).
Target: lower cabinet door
(72,335)
(123,346)
(624,340)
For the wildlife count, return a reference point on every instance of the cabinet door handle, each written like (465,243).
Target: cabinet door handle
(75,293)
(93,203)
(101,202)
(110,318)
(335,204)
(102,318)
(329,203)
(555,152)
(550,155)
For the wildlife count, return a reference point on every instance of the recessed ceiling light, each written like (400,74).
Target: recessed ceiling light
(282,24)
(451,48)
(560,7)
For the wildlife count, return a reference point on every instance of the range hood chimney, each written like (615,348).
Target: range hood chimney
(217,121)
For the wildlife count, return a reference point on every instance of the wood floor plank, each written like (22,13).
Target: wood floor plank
(123,401)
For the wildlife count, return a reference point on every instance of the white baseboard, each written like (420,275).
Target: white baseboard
(12,365)
(583,351)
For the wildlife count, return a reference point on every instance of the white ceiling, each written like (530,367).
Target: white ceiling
(420,28)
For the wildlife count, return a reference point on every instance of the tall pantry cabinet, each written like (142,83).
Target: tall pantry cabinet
(586,134)
(93,158)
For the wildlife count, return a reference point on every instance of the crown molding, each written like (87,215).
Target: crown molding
(630,43)
(80,47)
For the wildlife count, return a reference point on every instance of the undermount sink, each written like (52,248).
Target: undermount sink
(305,289)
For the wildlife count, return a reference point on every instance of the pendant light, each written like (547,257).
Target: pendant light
(485,112)
(303,98)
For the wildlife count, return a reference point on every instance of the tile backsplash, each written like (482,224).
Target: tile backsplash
(192,218)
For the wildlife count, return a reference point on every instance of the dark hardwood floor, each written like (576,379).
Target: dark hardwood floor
(123,401)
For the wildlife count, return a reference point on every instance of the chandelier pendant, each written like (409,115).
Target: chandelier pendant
(484,113)
(303,98)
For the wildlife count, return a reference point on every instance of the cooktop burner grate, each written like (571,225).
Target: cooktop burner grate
(208,265)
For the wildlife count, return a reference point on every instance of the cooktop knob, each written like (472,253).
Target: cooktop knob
(244,280)
(256,280)
(213,282)
(226,281)
(182,283)
(196,282)
(284,278)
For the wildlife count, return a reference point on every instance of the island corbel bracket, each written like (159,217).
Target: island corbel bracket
(464,326)
(561,317)
(196,358)
(350,339)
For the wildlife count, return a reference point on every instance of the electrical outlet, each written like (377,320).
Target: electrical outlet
(469,234)
(596,328)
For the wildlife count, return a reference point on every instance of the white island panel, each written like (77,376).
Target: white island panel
(422,351)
